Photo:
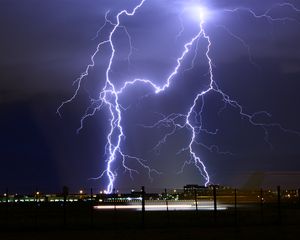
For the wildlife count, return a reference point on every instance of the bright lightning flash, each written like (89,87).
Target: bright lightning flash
(109,97)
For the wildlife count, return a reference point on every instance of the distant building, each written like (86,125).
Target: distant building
(190,190)
(192,187)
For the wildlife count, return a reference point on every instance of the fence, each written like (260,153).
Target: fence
(177,207)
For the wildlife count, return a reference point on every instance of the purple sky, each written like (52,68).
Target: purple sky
(45,45)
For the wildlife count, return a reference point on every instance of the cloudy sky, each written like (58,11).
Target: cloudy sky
(46,45)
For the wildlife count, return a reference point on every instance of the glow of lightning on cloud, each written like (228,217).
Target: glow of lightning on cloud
(109,97)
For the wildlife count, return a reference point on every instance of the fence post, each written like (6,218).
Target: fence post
(261,205)
(235,206)
(36,199)
(143,206)
(166,196)
(6,207)
(114,199)
(167,205)
(65,194)
(196,201)
(92,209)
(6,195)
(215,203)
(279,204)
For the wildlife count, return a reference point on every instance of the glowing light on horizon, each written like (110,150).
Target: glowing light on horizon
(208,206)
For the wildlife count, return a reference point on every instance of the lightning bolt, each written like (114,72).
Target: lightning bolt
(267,14)
(109,97)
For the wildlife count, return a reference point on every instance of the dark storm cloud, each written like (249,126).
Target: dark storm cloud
(45,45)
(45,39)
(291,67)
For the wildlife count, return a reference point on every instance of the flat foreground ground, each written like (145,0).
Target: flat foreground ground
(185,233)
(45,222)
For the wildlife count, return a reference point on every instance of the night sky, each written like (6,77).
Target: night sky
(46,45)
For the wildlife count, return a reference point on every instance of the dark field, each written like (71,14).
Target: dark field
(249,232)
(78,221)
